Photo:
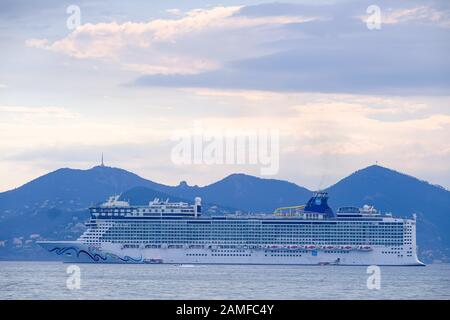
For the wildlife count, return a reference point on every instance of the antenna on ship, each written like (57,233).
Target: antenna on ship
(102,164)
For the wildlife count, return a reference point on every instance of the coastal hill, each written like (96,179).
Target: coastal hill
(403,195)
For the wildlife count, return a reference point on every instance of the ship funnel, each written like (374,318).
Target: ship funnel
(319,204)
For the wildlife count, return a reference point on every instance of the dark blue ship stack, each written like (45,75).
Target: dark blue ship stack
(319,203)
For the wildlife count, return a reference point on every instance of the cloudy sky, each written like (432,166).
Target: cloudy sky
(342,95)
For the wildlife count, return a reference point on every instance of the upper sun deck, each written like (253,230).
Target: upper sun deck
(316,209)
(122,209)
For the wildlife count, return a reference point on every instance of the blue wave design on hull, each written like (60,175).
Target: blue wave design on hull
(95,257)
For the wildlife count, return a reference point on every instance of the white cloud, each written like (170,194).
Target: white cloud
(173,65)
(37,43)
(39,111)
(105,40)
(421,14)
(251,95)
(340,125)
(176,12)
(152,47)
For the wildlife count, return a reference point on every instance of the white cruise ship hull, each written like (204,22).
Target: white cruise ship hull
(78,252)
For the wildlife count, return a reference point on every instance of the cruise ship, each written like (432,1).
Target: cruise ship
(178,233)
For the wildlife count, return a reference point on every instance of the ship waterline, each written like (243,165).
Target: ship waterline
(177,233)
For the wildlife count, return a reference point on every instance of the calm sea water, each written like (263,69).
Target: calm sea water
(47,280)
